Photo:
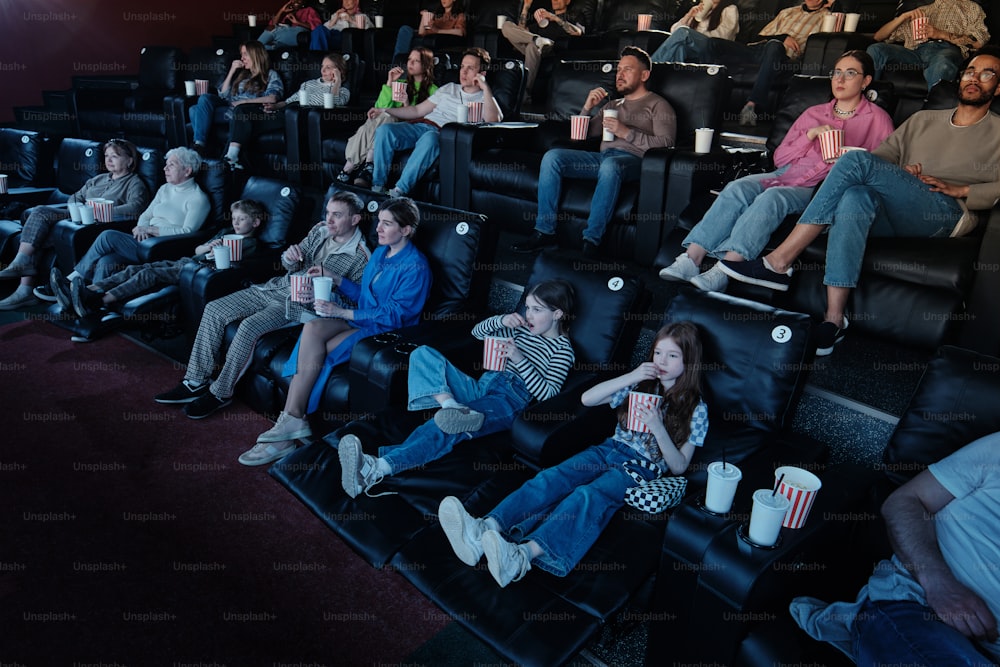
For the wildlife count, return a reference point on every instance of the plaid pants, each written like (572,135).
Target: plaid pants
(39,224)
(141,278)
(260,311)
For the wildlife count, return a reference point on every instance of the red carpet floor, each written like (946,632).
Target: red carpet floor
(130,535)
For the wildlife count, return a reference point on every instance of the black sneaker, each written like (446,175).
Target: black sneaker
(85,301)
(185,392)
(365,176)
(59,288)
(828,335)
(205,405)
(537,241)
(590,249)
(755,273)
(45,293)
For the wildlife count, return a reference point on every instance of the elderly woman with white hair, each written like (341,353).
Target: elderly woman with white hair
(179,207)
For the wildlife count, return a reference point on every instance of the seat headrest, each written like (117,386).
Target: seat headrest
(600,290)
(150,170)
(282,200)
(21,153)
(158,67)
(697,93)
(754,357)
(213,179)
(954,404)
(77,161)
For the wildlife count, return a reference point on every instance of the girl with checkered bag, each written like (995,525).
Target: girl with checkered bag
(553,520)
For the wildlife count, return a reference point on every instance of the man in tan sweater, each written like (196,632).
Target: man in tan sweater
(642,120)
(927,179)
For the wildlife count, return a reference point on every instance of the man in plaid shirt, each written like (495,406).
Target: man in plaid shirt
(953,29)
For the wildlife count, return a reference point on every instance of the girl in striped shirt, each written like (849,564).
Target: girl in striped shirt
(538,358)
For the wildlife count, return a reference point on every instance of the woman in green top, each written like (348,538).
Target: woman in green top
(419,86)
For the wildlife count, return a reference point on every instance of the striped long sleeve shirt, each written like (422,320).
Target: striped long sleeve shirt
(546,360)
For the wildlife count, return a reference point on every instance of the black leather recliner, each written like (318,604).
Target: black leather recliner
(27,159)
(545,620)
(495,168)
(742,594)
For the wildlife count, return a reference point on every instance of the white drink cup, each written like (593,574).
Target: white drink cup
(379,21)
(501,19)
(327,100)
(829,23)
(252,20)
(851,22)
(322,288)
(606,134)
(190,89)
(303,97)
(721,487)
(766,517)
(86,214)
(462,114)
(74,211)
(222,256)
(703,139)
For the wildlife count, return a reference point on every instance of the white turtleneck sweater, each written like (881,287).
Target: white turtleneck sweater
(177,209)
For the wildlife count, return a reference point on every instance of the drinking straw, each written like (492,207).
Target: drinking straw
(775,492)
(723,458)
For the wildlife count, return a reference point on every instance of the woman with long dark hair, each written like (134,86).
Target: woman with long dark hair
(720,19)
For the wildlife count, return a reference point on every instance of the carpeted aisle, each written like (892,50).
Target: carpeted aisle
(129,534)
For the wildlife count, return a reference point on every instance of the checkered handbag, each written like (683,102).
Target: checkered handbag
(653,495)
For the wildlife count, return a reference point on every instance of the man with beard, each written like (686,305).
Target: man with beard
(927,179)
(644,120)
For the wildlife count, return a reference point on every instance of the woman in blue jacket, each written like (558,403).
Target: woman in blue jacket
(391,295)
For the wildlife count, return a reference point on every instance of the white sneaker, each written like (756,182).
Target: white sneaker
(544,44)
(683,268)
(748,116)
(713,280)
(506,561)
(264,452)
(464,531)
(358,471)
(20,298)
(286,428)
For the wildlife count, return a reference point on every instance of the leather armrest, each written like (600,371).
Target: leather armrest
(72,239)
(460,142)
(29,197)
(981,332)
(92,82)
(172,247)
(201,282)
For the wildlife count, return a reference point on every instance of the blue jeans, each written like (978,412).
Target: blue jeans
(421,137)
(685,45)
(745,214)
(324,39)
(111,252)
(564,508)
(404,38)
(864,196)
(499,396)
(908,633)
(938,60)
(282,35)
(609,168)
(204,114)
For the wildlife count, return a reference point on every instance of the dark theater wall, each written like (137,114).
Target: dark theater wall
(43,43)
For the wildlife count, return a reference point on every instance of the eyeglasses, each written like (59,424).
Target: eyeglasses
(847,74)
(983,75)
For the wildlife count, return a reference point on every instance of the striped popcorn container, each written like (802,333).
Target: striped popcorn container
(918,28)
(635,400)
(235,244)
(103,209)
(494,353)
(800,487)
(475,112)
(644,21)
(201,86)
(838,18)
(830,143)
(578,126)
(359,21)
(301,288)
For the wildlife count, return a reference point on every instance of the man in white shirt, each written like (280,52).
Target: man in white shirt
(421,133)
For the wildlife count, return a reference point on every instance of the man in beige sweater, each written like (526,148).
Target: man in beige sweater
(642,120)
(927,179)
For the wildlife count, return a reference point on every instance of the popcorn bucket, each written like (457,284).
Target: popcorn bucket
(201,86)
(3,184)
(839,18)
(359,21)
(235,244)
(398,91)
(635,400)
(645,20)
(800,487)
(918,28)
(301,288)
(494,358)
(578,126)
(830,143)
(475,112)
(103,209)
